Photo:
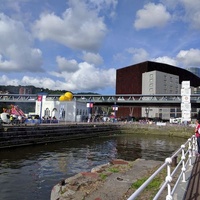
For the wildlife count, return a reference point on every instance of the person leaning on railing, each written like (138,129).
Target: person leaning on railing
(197,134)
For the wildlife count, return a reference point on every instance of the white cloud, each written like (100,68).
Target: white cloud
(184,59)
(66,65)
(192,12)
(43,82)
(166,60)
(187,11)
(190,58)
(12,4)
(87,78)
(78,28)
(138,55)
(16,53)
(4,80)
(151,15)
(92,58)
(170,3)
(104,4)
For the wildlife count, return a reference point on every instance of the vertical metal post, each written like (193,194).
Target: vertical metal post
(190,152)
(183,162)
(193,144)
(41,109)
(168,178)
(89,106)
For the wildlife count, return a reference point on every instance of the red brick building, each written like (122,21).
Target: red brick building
(25,90)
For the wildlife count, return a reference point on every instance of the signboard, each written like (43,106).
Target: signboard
(186,99)
(89,105)
(186,105)
(39,98)
(186,116)
(185,91)
(185,84)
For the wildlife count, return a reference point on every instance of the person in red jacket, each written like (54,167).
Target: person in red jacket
(197,134)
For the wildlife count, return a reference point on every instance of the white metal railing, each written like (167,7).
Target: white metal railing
(185,152)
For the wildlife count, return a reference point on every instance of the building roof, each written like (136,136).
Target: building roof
(184,75)
(131,76)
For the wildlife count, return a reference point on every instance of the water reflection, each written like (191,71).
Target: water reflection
(31,172)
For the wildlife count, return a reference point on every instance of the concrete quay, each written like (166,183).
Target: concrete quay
(111,181)
(16,136)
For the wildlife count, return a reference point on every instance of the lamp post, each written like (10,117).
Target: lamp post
(115,108)
(89,106)
(147,112)
(41,98)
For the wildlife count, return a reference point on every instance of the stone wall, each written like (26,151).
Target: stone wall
(13,136)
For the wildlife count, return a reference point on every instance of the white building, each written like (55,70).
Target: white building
(156,82)
(68,111)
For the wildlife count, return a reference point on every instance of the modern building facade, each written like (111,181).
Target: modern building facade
(65,111)
(156,82)
(151,78)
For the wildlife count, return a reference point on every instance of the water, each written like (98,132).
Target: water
(29,173)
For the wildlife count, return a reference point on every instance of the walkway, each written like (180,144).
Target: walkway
(190,190)
(193,189)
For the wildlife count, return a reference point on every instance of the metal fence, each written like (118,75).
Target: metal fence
(184,154)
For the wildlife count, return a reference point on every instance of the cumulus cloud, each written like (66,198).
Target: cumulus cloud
(185,59)
(166,60)
(77,28)
(87,77)
(187,11)
(16,53)
(4,80)
(92,58)
(192,12)
(104,4)
(151,15)
(190,58)
(66,65)
(138,55)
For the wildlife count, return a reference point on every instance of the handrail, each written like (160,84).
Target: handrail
(186,150)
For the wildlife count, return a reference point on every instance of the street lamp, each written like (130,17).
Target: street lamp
(115,108)
(89,106)
(147,112)
(41,97)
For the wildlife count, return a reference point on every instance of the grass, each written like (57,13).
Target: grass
(103,176)
(150,191)
(155,184)
(114,170)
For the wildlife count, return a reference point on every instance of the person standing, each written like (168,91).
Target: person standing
(197,134)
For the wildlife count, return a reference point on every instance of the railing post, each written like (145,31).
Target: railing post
(190,152)
(183,162)
(168,178)
(194,144)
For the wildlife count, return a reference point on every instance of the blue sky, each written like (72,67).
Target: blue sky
(77,45)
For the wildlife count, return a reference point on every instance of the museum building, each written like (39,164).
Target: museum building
(152,78)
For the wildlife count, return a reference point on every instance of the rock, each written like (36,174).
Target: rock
(109,181)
